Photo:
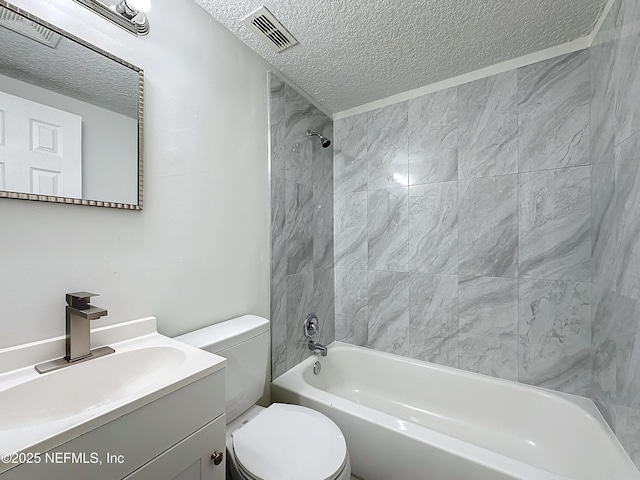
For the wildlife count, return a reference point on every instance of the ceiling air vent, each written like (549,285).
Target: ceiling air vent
(269,29)
(26,27)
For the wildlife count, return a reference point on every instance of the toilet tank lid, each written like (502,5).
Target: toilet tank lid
(220,336)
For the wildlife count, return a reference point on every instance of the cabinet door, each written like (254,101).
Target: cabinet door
(191,458)
(138,437)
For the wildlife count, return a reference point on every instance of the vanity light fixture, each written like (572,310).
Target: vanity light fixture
(127,14)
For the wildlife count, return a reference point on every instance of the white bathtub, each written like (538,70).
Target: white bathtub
(405,419)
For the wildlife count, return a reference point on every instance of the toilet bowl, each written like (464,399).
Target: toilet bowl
(280,442)
(286,442)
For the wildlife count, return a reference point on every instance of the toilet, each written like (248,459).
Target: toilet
(280,442)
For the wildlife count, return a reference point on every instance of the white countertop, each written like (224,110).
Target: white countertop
(41,411)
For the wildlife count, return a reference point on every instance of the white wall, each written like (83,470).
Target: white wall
(198,252)
(109,143)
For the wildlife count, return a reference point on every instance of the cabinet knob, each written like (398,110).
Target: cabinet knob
(217,457)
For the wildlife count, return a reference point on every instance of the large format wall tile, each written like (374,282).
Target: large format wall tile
(555,335)
(603,88)
(322,163)
(278,228)
(302,237)
(605,259)
(626,68)
(298,149)
(350,169)
(615,77)
(433,228)
(322,158)
(389,312)
(300,300)
(626,314)
(278,326)
(566,129)
(627,159)
(488,337)
(555,224)
(489,226)
(603,348)
(388,229)
(299,228)
(306,162)
(277,125)
(352,306)
(553,113)
(627,428)
(488,126)
(324,304)
(433,318)
(433,138)
(350,224)
(322,229)
(387,139)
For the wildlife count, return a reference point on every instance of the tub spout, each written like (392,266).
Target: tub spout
(317,348)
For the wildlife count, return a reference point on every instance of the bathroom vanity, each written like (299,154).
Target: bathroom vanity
(152,410)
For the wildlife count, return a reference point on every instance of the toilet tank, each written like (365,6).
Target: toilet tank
(244,342)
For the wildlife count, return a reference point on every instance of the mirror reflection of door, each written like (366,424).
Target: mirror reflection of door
(96,158)
(41,149)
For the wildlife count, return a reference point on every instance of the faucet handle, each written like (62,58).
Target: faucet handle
(80,299)
(311,326)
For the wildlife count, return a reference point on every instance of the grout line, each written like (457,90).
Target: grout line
(604,14)
(458,214)
(617,144)
(518,173)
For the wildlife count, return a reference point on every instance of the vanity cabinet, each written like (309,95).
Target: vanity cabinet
(191,459)
(172,437)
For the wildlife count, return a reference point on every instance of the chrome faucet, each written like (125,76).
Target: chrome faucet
(78,345)
(317,348)
(79,313)
(311,329)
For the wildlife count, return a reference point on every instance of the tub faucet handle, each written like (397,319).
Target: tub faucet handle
(311,326)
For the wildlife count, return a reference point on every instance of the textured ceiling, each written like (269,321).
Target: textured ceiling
(355,52)
(72,70)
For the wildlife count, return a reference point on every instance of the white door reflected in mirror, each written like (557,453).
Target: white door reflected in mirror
(41,148)
(94,159)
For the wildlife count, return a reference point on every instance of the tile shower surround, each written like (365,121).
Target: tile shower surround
(487,227)
(491,226)
(615,177)
(301,225)
(463,226)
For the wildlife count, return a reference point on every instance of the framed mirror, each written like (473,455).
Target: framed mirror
(71,117)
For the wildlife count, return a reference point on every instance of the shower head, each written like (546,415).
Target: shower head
(325,141)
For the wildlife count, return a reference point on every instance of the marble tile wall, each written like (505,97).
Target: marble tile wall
(491,226)
(468,241)
(302,239)
(494,226)
(615,177)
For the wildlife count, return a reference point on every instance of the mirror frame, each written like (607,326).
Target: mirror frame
(81,201)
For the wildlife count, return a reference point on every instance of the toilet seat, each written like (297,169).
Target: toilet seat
(290,442)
